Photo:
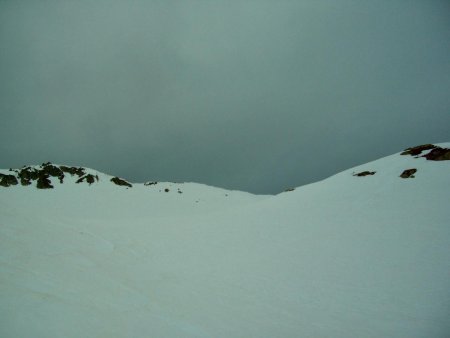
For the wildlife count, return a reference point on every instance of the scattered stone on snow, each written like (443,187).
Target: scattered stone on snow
(120,182)
(365,173)
(408,173)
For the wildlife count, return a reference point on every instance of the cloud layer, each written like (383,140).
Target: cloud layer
(249,95)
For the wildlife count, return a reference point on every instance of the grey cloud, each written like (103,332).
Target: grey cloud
(250,95)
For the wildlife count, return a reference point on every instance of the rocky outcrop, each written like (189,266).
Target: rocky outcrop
(436,153)
(42,175)
(73,170)
(8,180)
(89,178)
(417,150)
(27,174)
(51,170)
(43,182)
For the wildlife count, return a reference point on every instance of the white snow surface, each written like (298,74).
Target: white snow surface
(344,257)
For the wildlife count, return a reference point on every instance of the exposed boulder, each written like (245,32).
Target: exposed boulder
(150,183)
(289,189)
(8,180)
(408,173)
(120,182)
(365,173)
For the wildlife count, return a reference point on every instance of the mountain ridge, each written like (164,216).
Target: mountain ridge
(45,173)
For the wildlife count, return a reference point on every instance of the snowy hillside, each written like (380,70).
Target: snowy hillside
(364,253)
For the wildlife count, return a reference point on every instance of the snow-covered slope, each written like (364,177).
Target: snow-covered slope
(350,256)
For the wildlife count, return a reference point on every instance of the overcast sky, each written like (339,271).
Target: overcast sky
(250,95)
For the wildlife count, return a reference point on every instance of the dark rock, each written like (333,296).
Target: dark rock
(8,180)
(289,189)
(25,182)
(43,182)
(438,154)
(28,174)
(120,182)
(150,183)
(365,173)
(49,170)
(166,190)
(408,173)
(52,170)
(414,151)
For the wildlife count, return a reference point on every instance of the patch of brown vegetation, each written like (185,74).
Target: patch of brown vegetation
(408,173)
